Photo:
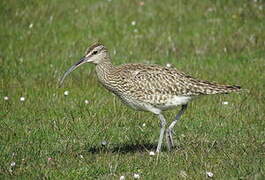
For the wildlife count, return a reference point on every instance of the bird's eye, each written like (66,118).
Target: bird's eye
(95,52)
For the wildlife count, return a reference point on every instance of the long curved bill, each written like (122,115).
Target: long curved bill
(79,63)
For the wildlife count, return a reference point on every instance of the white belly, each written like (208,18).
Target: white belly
(174,101)
(156,108)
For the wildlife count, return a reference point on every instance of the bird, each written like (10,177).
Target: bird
(151,88)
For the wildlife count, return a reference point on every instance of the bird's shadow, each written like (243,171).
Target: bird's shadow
(122,148)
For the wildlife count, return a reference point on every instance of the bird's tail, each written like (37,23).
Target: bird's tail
(206,87)
(221,89)
(224,89)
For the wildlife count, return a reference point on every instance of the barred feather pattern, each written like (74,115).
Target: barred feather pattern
(154,84)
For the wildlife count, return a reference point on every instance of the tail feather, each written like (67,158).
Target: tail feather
(232,88)
(221,89)
(206,87)
(202,87)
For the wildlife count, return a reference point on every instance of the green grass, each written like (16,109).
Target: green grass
(222,41)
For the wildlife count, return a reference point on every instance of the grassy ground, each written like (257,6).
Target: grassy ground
(53,136)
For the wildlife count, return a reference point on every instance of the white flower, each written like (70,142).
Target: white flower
(151,153)
(81,156)
(22,99)
(51,18)
(144,125)
(12,164)
(31,25)
(168,65)
(183,174)
(122,177)
(224,102)
(104,143)
(66,93)
(136,176)
(133,23)
(209,174)
(6,98)
(86,101)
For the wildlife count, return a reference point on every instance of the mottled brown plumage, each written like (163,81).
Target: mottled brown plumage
(155,84)
(149,87)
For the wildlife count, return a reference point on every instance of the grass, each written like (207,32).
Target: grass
(52,136)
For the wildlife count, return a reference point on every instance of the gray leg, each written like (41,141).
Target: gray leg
(162,131)
(169,136)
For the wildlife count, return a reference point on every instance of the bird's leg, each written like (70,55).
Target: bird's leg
(162,131)
(169,136)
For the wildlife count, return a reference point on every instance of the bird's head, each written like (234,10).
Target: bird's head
(96,54)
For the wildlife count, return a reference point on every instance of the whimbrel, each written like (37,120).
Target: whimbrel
(150,88)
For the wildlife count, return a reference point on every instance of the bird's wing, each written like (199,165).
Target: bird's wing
(153,82)
(156,80)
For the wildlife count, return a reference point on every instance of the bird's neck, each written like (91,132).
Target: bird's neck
(105,66)
(104,71)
